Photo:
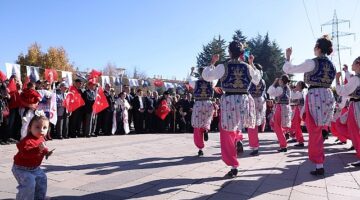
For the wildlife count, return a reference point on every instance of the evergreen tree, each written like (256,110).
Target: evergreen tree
(269,55)
(238,36)
(216,46)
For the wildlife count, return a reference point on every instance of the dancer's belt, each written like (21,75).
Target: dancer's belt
(314,87)
(354,100)
(235,93)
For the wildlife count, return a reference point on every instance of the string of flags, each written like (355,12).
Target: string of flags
(51,75)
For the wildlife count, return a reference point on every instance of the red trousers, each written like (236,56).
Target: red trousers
(253,137)
(354,130)
(296,125)
(316,141)
(199,137)
(279,130)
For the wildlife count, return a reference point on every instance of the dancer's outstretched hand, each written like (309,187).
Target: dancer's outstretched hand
(288,53)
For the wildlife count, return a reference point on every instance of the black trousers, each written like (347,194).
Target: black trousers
(75,122)
(14,126)
(100,123)
(89,124)
(139,121)
(62,126)
(107,122)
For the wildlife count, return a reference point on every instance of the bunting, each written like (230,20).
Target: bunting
(33,73)
(12,69)
(67,77)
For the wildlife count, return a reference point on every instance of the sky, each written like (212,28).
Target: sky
(163,37)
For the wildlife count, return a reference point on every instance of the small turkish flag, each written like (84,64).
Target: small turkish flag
(73,100)
(100,102)
(163,110)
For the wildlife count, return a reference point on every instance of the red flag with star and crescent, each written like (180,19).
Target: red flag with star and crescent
(51,75)
(100,102)
(73,100)
(163,110)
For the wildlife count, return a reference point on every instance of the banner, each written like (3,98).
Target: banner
(33,73)
(116,80)
(67,77)
(53,109)
(12,69)
(145,83)
(105,80)
(168,85)
(133,82)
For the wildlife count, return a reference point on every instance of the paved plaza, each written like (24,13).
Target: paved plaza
(165,166)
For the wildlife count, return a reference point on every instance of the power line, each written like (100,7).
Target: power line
(317,12)
(307,15)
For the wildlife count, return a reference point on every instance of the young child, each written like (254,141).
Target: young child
(32,149)
(29,99)
(29,96)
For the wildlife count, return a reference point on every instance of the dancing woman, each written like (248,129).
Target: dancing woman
(237,106)
(352,89)
(319,104)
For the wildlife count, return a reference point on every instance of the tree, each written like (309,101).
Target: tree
(216,46)
(110,69)
(139,74)
(269,56)
(238,36)
(54,58)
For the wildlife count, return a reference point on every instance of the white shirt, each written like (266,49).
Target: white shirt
(141,103)
(297,95)
(347,75)
(304,67)
(275,91)
(350,87)
(211,73)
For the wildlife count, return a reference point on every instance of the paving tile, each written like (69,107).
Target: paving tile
(137,167)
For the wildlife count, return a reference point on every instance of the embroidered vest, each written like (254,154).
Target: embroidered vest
(322,75)
(236,78)
(284,98)
(257,90)
(356,93)
(203,90)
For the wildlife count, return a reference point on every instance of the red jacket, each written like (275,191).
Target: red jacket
(14,100)
(29,96)
(29,154)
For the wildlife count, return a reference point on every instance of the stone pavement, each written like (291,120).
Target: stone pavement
(165,166)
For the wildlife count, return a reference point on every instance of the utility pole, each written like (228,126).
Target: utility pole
(335,34)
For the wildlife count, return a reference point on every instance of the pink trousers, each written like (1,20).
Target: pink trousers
(354,130)
(199,137)
(316,141)
(279,130)
(296,125)
(228,141)
(253,134)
